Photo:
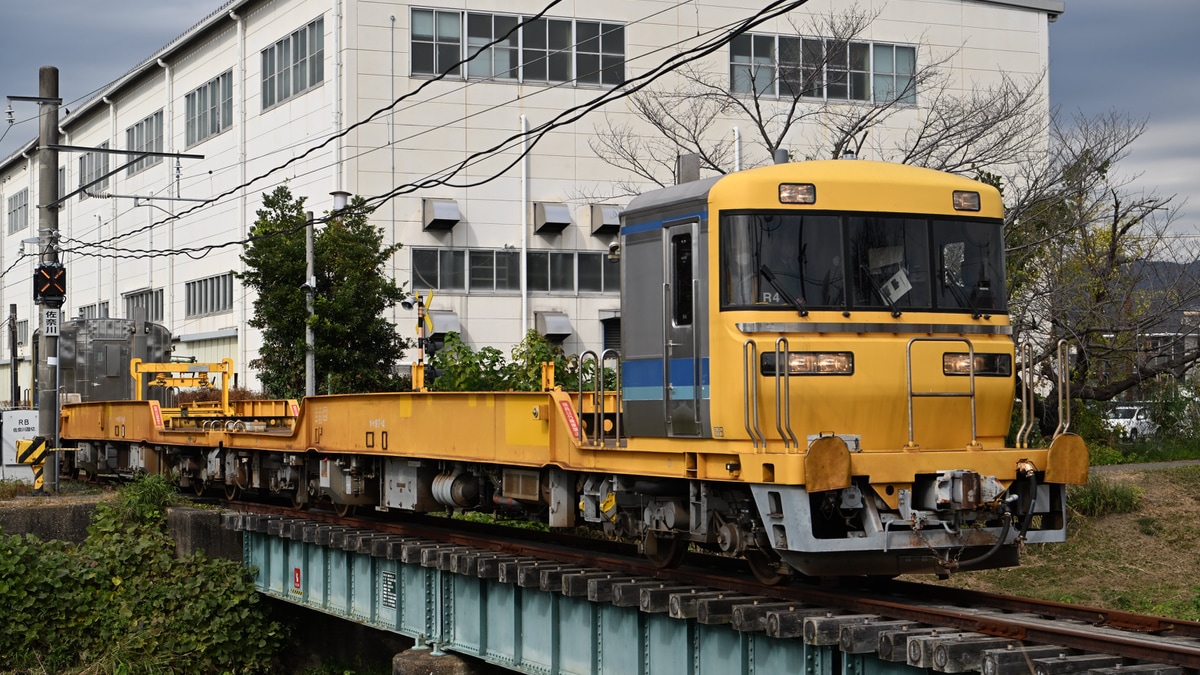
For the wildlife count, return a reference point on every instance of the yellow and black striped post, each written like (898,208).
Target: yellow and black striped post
(33,452)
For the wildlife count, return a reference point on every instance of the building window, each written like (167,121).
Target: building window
(598,274)
(779,65)
(494,270)
(147,136)
(599,52)
(149,300)
(92,166)
(498,61)
(551,271)
(752,64)
(544,50)
(294,65)
(439,268)
(499,271)
(894,67)
(95,311)
(209,109)
(18,211)
(213,295)
(436,42)
(22,333)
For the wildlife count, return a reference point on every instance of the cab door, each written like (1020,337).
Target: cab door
(681,362)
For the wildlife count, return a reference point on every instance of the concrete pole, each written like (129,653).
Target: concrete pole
(12,354)
(48,243)
(310,289)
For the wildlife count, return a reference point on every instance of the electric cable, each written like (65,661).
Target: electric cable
(444,176)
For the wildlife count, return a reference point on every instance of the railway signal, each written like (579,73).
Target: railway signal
(50,284)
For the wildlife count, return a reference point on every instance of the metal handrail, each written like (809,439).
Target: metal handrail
(666,364)
(1025,361)
(750,393)
(597,416)
(942,394)
(1064,390)
(598,394)
(620,402)
(783,423)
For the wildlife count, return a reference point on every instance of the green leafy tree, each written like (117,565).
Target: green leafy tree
(274,260)
(356,347)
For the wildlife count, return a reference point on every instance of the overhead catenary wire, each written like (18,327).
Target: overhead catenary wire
(445,176)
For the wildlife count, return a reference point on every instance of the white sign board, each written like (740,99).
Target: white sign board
(50,321)
(18,425)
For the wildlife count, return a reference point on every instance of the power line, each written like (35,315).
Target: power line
(444,176)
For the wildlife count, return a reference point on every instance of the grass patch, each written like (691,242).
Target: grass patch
(1149,526)
(1101,497)
(1187,477)
(10,489)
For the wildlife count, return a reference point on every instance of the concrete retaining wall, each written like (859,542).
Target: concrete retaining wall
(67,521)
(46,518)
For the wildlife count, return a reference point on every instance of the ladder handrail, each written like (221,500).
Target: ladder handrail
(619,404)
(783,423)
(1028,418)
(1064,390)
(598,394)
(584,358)
(750,393)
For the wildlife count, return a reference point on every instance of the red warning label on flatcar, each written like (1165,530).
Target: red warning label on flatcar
(572,421)
(157,412)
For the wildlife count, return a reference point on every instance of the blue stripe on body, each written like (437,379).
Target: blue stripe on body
(641,379)
(650,225)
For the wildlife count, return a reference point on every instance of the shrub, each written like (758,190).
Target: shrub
(1101,454)
(123,603)
(1101,496)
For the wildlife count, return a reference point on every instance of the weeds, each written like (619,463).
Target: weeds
(10,489)
(1101,496)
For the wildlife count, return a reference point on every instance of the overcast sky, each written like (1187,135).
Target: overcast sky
(1132,56)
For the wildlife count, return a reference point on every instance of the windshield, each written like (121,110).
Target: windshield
(861,261)
(1123,413)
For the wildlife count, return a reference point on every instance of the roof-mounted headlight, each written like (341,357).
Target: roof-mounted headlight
(797,193)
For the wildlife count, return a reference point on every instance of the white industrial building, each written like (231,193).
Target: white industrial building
(259,83)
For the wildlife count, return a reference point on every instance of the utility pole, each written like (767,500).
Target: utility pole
(48,105)
(310,289)
(12,353)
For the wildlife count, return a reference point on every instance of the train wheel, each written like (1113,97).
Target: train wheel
(232,492)
(343,510)
(297,503)
(765,567)
(198,486)
(663,552)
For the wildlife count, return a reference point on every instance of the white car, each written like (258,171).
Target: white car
(1131,422)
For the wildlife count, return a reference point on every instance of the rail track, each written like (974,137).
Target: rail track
(933,627)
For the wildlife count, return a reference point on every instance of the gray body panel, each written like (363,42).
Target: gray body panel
(663,398)
(94,357)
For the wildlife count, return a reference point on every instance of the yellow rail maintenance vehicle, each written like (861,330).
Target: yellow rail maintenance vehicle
(816,374)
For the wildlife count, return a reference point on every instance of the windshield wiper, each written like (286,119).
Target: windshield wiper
(960,293)
(882,294)
(792,300)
